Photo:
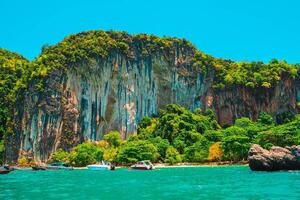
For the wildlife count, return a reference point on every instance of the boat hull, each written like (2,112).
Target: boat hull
(143,165)
(98,168)
(59,168)
(5,171)
(36,168)
(141,168)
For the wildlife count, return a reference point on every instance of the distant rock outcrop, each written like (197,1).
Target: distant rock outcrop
(278,158)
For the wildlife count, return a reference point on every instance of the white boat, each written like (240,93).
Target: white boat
(103,165)
(143,165)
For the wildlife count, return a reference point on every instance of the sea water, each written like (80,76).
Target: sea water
(230,182)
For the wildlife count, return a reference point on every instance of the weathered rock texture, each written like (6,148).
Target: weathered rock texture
(236,102)
(278,158)
(86,100)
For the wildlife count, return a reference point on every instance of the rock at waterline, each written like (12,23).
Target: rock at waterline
(278,158)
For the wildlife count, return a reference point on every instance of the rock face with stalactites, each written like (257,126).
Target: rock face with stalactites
(83,100)
(278,158)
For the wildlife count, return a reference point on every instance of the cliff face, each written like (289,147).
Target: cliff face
(236,102)
(85,100)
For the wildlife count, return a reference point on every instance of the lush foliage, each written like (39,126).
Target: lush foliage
(90,46)
(179,135)
(282,135)
(134,151)
(24,162)
(172,156)
(252,75)
(198,137)
(161,145)
(82,155)
(110,154)
(113,138)
(60,156)
(198,152)
(14,72)
(173,127)
(1,151)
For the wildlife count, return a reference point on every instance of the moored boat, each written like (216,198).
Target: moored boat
(143,165)
(103,165)
(35,168)
(5,169)
(59,165)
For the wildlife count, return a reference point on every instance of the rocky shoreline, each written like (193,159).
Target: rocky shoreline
(259,159)
(277,158)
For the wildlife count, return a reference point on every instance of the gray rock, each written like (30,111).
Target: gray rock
(278,158)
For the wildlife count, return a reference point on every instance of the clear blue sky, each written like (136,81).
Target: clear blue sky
(237,29)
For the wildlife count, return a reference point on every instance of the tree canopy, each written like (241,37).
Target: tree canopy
(175,125)
(179,135)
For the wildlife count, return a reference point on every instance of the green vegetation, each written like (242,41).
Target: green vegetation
(134,151)
(252,75)
(85,154)
(1,151)
(13,77)
(92,46)
(82,155)
(191,134)
(14,73)
(60,155)
(113,138)
(172,156)
(179,135)
(24,162)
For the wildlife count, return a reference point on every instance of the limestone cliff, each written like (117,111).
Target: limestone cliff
(235,102)
(85,91)
(88,99)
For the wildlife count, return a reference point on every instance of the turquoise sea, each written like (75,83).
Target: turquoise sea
(231,182)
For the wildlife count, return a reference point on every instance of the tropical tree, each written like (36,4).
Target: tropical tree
(135,151)
(172,156)
(85,154)
(113,138)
